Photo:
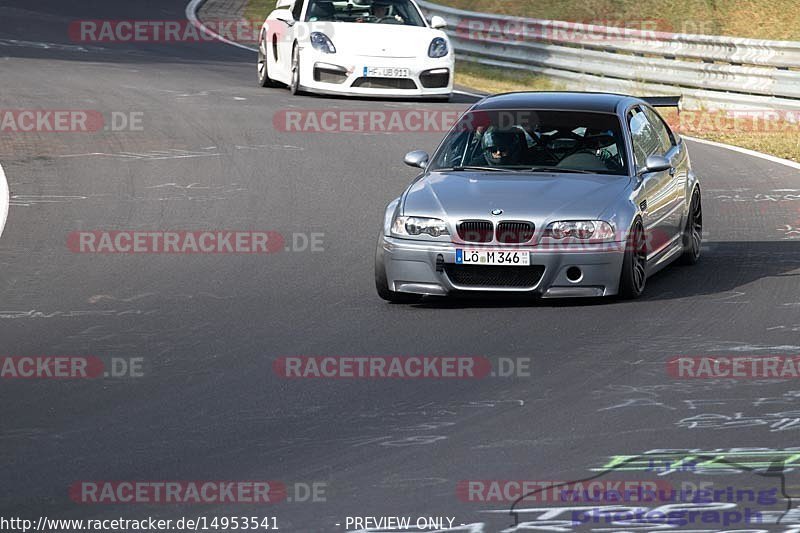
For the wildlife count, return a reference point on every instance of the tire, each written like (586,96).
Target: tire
(382,285)
(263,74)
(693,232)
(633,278)
(294,85)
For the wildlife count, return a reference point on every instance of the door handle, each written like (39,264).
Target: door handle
(672,171)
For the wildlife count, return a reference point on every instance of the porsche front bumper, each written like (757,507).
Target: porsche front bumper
(345,75)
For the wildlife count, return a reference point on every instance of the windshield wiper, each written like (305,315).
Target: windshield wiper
(470,167)
(559,169)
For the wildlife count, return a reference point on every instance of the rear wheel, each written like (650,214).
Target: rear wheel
(693,233)
(634,265)
(263,72)
(382,285)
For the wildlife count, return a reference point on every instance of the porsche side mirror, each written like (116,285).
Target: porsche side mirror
(417,158)
(438,23)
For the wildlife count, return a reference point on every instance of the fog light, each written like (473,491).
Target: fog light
(574,274)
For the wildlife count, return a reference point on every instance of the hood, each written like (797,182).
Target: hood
(539,198)
(377,40)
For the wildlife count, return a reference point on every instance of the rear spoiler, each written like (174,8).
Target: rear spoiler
(663,101)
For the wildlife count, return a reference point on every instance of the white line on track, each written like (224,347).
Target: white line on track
(194,5)
(4,200)
(191,14)
(753,153)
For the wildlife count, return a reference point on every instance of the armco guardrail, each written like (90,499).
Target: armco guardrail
(709,71)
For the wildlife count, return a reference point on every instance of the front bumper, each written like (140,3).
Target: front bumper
(353,83)
(411,266)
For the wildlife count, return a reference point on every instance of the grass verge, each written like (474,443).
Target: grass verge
(498,80)
(258,9)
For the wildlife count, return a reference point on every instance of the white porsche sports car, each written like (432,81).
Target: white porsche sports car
(382,48)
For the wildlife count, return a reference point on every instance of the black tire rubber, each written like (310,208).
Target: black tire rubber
(382,285)
(693,232)
(263,73)
(294,85)
(633,278)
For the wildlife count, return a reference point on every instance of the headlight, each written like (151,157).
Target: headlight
(418,225)
(322,42)
(596,230)
(438,48)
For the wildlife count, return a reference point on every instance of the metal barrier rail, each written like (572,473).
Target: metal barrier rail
(708,70)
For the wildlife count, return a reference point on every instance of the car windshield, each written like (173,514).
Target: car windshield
(401,12)
(532,140)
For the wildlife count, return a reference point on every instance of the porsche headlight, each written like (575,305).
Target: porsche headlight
(413,226)
(583,230)
(322,42)
(438,48)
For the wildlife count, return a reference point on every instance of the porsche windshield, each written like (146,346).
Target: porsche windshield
(400,12)
(531,140)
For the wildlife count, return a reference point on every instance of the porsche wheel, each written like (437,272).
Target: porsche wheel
(294,86)
(263,71)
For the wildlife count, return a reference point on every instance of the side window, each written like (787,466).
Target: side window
(645,139)
(667,140)
(297,9)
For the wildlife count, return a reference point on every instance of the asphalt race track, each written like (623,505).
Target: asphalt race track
(208,327)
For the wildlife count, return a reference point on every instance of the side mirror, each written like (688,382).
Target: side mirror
(657,163)
(417,158)
(438,23)
(284,4)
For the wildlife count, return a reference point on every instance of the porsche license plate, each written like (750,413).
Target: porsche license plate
(386,72)
(492,257)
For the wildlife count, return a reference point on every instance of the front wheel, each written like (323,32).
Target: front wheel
(693,233)
(634,265)
(294,86)
(382,284)
(263,72)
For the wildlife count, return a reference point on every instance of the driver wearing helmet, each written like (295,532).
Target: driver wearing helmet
(383,11)
(501,147)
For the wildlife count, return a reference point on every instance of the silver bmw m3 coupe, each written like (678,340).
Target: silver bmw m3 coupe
(549,194)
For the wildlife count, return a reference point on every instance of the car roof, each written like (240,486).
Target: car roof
(574,101)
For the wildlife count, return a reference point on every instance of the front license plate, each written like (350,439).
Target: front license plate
(493,257)
(386,72)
